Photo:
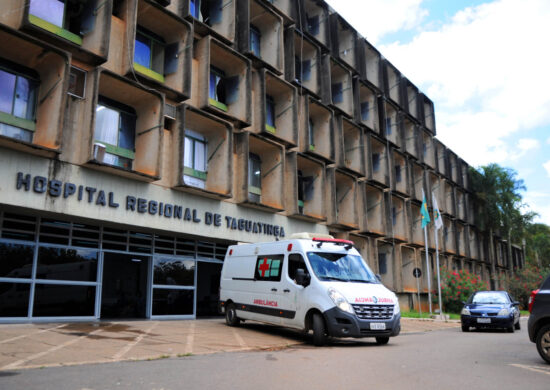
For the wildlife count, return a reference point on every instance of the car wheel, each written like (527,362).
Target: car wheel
(510,329)
(465,328)
(517,325)
(382,340)
(543,342)
(231,318)
(319,330)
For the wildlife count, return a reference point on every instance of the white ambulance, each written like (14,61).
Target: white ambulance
(309,282)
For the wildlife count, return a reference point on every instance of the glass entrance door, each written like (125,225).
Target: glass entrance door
(124,287)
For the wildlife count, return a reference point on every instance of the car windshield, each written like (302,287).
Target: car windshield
(489,298)
(340,267)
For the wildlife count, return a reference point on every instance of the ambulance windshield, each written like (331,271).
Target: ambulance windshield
(340,267)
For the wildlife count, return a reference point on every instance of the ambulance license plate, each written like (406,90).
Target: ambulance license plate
(483,320)
(377,326)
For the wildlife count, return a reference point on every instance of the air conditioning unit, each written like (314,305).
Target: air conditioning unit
(99,151)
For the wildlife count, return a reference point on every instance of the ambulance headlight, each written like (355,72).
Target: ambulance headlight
(396,308)
(340,301)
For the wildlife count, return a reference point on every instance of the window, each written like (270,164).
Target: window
(255,40)
(268,268)
(313,24)
(302,69)
(217,90)
(115,129)
(388,126)
(398,173)
(375,162)
(195,8)
(311,135)
(365,111)
(18,92)
(195,160)
(77,82)
(269,114)
(295,262)
(149,54)
(382,264)
(305,189)
(393,215)
(337,93)
(206,11)
(254,176)
(68,19)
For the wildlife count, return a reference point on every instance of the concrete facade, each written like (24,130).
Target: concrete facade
(243,121)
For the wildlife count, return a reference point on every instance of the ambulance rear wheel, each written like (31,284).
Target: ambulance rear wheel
(319,330)
(231,318)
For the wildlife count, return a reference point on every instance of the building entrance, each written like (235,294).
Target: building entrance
(124,287)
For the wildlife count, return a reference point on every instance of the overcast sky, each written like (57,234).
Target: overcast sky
(485,65)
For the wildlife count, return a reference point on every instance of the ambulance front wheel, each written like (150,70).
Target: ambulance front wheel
(231,318)
(319,330)
(382,340)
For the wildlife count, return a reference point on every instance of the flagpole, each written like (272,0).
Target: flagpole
(428,270)
(436,231)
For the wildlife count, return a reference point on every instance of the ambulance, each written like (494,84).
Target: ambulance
(309,282)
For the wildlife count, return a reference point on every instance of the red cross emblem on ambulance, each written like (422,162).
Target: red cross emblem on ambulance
(264,267)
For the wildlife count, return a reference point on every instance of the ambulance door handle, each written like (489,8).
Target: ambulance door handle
(286,290)
(273,289)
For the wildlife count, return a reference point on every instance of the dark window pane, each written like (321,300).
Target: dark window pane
(173,271)
(184,247)
(375,162)
(398,173)
(255,39)
(313,24)
(67,264)
(365,111)
(382,264)
(127,134)
(51,300)
(7,88)
(388,126)
(270,111)
(172,302)
(254,174)
(158,57)
(205,249)
(23,106)
(337,96)
(18,227)
(142,50)
(14,299)
(16,260)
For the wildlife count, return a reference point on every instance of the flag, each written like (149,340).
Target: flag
(424,211)
(438,221)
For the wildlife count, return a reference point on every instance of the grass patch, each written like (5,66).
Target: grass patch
(158,357)
(415,314)
(524,313)
(184,354)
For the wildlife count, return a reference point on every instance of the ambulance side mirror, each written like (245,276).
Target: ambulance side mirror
(302,278)
(378,277)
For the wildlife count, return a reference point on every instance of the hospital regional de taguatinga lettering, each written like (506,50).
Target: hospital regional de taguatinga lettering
(101,198)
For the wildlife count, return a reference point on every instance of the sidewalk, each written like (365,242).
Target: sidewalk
(44,345)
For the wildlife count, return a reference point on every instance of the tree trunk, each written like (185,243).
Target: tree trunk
(493,260)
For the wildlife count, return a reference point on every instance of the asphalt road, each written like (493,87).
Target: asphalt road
(443,359)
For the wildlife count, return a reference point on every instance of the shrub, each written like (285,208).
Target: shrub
(524,281)
(457,287)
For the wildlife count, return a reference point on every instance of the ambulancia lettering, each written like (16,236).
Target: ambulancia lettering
(263,302)
(373,300)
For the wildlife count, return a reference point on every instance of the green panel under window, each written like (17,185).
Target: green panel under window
(217,104)
(55,29)
(148,72)
(112,149)
(300,203)
(270,129)
(255,190)
(193,172)
(17,122)
(311,148)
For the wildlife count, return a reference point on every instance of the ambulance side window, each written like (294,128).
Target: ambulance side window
(295,261)
(269,268)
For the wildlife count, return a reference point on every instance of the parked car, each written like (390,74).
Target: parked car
(538,325)
(490,309)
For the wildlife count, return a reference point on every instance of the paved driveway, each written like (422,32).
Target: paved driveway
(44,345)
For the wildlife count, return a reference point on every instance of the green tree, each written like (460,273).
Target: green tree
(538,244)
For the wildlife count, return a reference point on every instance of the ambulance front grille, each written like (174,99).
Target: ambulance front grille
(374,312)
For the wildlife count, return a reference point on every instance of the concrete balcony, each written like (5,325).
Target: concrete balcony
(365,105)
(428,149)
(259,172)
(48,69)
(377,161)
(462,239)
(203,148)
(449,236)
(442,162)
(212,17)
(342,193)
(392,82)
(223,82)
(387,258)
(343,41)
(260,33)
(370,64)
(84,32)
(417,180)
(337,84)
(305,183)
(315,19)
(390,123)
(350,146)
(409,98)
(276,108)
(449,202)
(303,62)
(400,178)
(397,219)
(316,132)
(417,233)
(428,113)
(460,197)
(410,137)
(375,211)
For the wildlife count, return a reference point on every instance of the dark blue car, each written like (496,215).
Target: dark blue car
(490,309)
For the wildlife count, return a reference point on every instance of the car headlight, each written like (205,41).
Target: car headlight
(465,311)
(340,301)
(503,312)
